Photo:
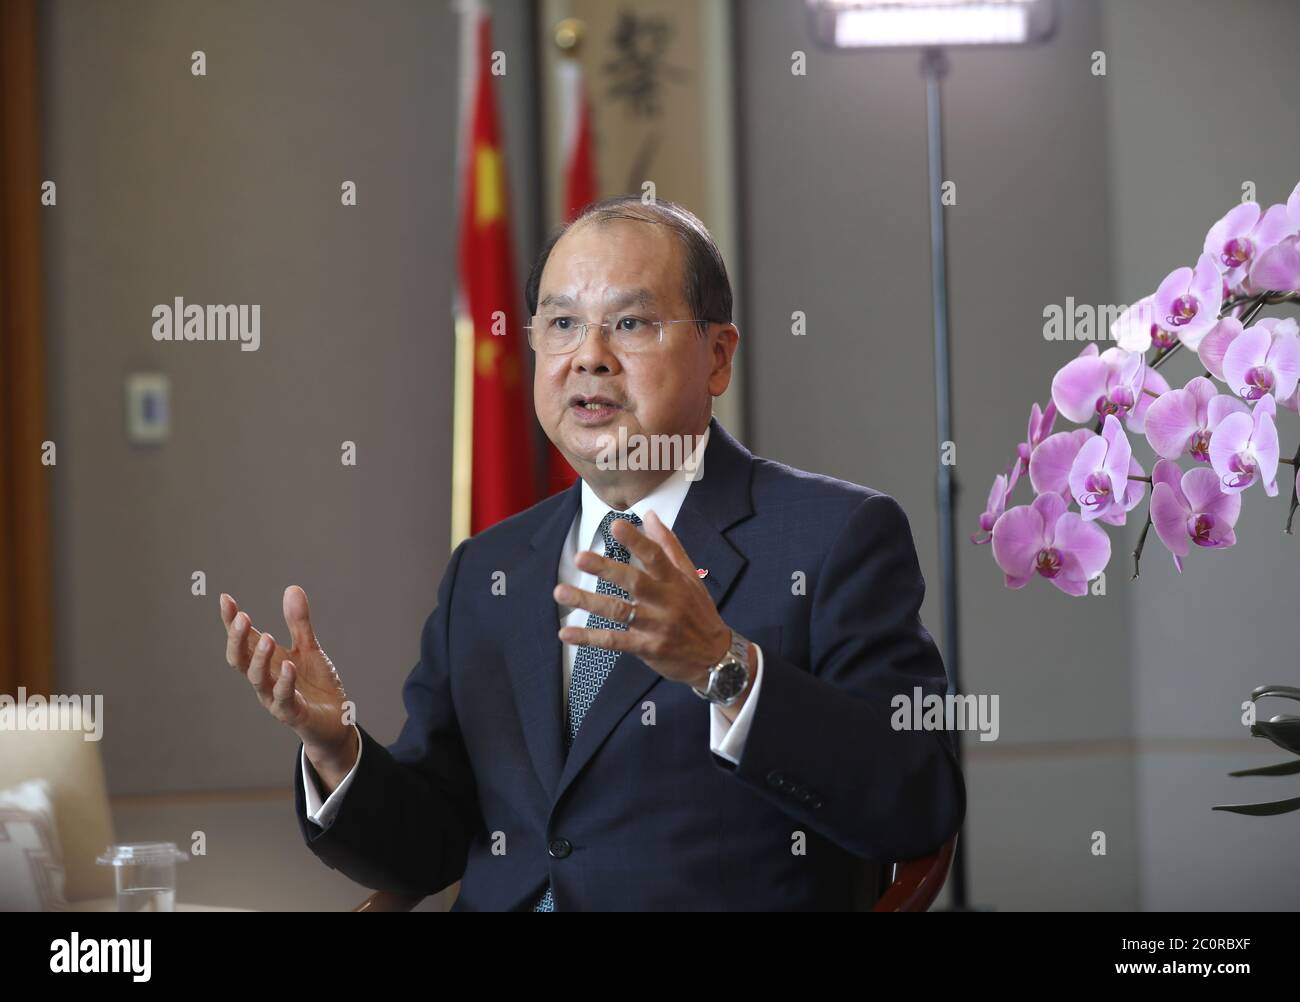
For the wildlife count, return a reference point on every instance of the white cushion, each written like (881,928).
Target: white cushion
(31,857)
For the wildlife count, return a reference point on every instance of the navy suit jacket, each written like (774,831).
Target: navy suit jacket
(641,814)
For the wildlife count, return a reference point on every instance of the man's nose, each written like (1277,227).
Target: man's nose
(593,355)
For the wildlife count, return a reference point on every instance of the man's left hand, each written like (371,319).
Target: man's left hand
(676,629)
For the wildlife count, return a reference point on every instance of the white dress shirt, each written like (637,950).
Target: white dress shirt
(726,738)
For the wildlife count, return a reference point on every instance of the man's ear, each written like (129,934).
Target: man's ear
(723,348)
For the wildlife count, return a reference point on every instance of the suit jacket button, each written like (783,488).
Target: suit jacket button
(774,778)
(560,847)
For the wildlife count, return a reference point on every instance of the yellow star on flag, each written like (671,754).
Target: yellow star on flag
(488,351)
(488,181)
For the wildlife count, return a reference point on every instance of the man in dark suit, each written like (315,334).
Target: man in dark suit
(583,652)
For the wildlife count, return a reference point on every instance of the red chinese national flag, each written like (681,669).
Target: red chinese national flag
(579,156)
(502,476)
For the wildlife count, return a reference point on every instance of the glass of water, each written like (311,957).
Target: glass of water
(146,875)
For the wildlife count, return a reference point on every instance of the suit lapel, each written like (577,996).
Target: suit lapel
(533,648)
(714,503)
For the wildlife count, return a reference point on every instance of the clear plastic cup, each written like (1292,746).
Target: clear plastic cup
(146,875)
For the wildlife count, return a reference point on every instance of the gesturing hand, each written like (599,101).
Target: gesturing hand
(299,685)
(676,629)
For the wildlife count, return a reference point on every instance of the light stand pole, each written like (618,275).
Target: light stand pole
(934,67)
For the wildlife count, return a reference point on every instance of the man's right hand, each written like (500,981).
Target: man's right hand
(298,685)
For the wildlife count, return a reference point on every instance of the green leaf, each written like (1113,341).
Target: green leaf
(1262,810)
(1282,731)
(1284,691)
(1281,769)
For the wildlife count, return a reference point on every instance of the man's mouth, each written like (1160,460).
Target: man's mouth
(594,407)
(592,403)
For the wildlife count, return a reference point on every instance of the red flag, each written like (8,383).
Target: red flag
(501,474)
(575,126)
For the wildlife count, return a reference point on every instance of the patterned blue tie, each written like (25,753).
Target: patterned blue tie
(592,665)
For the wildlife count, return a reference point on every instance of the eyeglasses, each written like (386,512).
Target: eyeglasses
(561,335)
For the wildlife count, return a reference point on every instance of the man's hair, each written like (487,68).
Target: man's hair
(707,290)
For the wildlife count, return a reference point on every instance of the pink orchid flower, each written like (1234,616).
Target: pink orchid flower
(1113,382)
(1045,538)
(1003,485)
(1190,508)
(1215,344)
(1237,240)
(1278,268)
(1136,328)
(1040,426)
(1099,476)
(1118,512)
(1183,421)
(1214,348)
(1264,359)
(1049,466)
(1187,301)
(1245,449)
(1292,403)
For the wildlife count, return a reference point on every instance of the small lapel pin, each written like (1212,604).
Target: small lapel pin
(702,572)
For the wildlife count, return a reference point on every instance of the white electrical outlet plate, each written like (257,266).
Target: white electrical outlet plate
(148,408)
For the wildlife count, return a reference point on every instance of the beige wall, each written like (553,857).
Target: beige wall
(225,189)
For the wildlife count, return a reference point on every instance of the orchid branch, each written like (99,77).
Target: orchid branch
(1270,299)
(1253,312)
(1142,541)
(1295,502)
(1164,354)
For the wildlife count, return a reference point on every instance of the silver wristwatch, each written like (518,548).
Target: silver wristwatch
(728,678)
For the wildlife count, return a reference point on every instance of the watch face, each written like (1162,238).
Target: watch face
(730,680)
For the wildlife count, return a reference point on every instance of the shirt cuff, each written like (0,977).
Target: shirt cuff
(323,814)
(726,737)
